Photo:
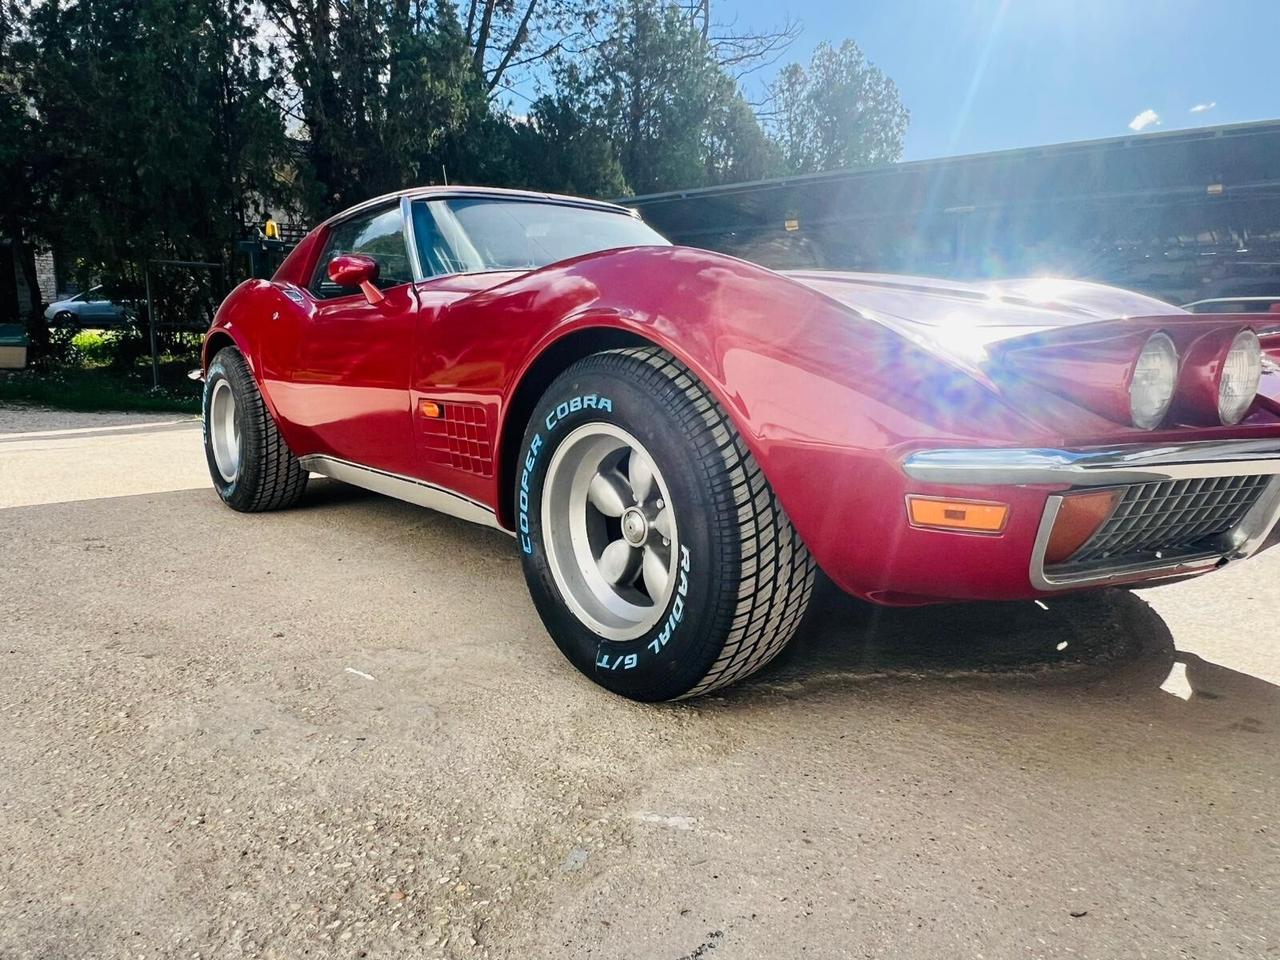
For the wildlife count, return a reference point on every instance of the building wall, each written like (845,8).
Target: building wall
(47,276)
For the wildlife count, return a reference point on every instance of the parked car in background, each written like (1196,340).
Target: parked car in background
(677,439)
(86,309)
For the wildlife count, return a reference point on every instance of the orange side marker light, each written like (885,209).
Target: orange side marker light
(429,408)
(946,513)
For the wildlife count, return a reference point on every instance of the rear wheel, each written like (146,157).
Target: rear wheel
(656,553)
(251,467)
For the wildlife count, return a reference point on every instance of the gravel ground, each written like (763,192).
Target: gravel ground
(340,731)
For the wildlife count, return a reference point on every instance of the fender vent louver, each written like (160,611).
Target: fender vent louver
(459,438)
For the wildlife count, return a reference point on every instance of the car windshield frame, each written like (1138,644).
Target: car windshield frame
(462,235)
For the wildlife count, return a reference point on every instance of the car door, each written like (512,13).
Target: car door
(350,383)
(96,310)
(456,388)
(470,333)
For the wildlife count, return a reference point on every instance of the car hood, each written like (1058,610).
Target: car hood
(959,316)
(972,324)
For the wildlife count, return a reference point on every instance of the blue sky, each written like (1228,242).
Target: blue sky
(994,74)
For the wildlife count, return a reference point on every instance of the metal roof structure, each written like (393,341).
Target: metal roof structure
(1181,214)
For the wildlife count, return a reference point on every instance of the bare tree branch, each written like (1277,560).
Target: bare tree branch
(482,41)
(744,53)
(471,20)
(522,33)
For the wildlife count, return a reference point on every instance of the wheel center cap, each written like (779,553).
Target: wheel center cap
(635,528)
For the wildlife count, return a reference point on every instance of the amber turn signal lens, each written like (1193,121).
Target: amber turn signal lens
(1079,517)
(939,513)
(429,408)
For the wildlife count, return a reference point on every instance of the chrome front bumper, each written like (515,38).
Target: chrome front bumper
(1134,463)
(1117,467)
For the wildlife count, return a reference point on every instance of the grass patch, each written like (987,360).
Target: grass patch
(98,388)
(96,347)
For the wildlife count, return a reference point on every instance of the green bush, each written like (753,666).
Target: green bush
(95,347)
(101,388)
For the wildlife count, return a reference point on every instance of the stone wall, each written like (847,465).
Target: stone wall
(46,275)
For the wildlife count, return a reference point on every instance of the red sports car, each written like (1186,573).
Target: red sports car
(678,440)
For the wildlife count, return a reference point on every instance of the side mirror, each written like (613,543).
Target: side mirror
(356,270)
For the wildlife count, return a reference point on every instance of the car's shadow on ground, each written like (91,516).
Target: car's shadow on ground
(847,635)
(1108,643)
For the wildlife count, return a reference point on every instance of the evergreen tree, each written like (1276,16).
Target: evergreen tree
(841,112)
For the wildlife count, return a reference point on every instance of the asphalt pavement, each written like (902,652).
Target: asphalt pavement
(341,731)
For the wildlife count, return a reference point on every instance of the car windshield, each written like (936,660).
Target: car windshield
(475,234)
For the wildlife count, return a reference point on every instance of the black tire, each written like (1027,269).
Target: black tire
(269,476)
(747,577)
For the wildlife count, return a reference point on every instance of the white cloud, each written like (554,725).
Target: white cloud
(1204,107)
(1147,118)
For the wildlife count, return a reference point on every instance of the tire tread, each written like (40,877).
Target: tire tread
(764,603)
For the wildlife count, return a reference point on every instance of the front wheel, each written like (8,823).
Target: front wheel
(656,553)
(251,466)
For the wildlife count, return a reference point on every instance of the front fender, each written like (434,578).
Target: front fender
(232,321)
(243,320)
(829,402)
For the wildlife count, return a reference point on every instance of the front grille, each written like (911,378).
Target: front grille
(1171,518)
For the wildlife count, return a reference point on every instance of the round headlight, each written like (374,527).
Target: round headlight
(1238,382)
(1154,377)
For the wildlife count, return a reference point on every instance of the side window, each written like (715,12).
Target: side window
(380,235)
(442,246)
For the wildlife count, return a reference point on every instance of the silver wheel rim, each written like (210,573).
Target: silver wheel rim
(610,532)
(224,431)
